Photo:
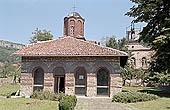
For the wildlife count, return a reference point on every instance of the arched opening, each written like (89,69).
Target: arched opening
(144,62)
(72,30)
(80,81)
(80,25)
(133,61)
(102,81)
(38,75)
(59,80)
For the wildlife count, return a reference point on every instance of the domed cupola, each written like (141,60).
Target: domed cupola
(75,14)
(74,25)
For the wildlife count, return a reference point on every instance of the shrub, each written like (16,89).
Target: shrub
(44,95)
(129,97)
(67,102)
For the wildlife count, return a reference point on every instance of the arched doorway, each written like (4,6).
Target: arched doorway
(102,81)
(59,80)
(38,75)
(80,81)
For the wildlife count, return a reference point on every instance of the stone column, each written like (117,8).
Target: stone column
(91,85)
(69,84)
(115,84)
(49,82)
(26,84)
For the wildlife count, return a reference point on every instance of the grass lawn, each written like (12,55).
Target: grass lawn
(159,104)
(163,103)
(7,89)
(22,103)
(27,104)
(134,89)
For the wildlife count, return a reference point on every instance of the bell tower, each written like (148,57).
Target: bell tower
(74,26)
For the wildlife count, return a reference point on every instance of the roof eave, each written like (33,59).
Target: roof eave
(74,55)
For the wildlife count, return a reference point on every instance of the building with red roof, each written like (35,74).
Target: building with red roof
(71,64)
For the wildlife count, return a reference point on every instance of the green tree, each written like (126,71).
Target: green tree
(122,44)
(156,15)
(41,35)
(143,75)
(5,55)
(161,58)
(112,42)
(9,70)
(104,40)
(127,73)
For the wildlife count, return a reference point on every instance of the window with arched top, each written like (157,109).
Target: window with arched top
(80,81)
(38,75)
(133,61)
(103,82)
(72,30)
(80,27)
(144,62)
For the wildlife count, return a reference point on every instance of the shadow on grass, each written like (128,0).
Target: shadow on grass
(159,91)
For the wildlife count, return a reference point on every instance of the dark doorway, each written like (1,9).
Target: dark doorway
(59,80)
(59,84)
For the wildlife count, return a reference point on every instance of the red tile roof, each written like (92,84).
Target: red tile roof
(68,46)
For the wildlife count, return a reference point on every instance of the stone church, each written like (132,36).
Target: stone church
(71,64)
(140,53)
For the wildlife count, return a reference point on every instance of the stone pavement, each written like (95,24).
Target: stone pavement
(85,103)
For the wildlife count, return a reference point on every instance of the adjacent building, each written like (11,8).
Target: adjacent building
(140,53)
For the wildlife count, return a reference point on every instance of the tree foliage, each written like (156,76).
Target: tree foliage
(161,59)
(127,73)
(156,33)
(160,78)
(6,55)
(9,70)
(41,35)
(156,15)
(112,42)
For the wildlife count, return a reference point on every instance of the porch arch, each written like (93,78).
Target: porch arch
(103,81)
(80,80)
(38,79)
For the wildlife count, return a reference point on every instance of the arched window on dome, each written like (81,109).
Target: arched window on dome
(72,30)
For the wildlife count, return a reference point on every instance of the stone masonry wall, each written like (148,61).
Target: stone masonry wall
(115,84)
(26,84)
(91,64)
(48,82)
(69,84)
(91,85)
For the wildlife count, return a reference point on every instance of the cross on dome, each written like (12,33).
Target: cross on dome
(74,8)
